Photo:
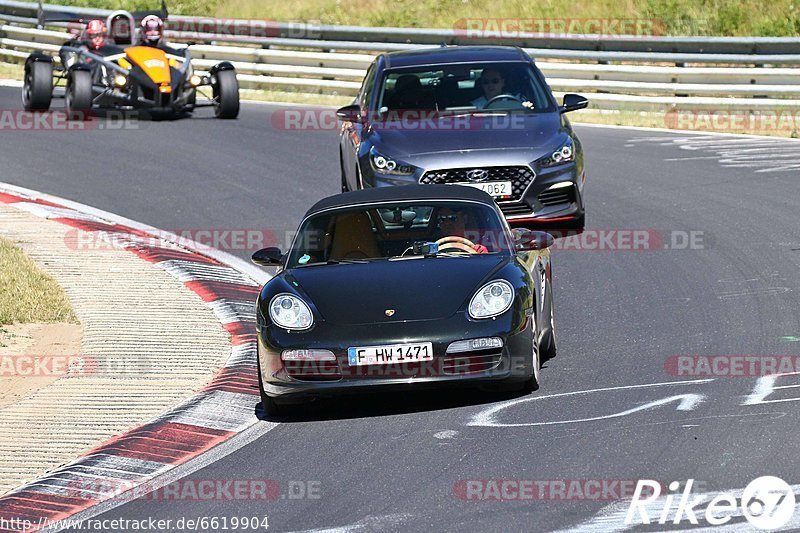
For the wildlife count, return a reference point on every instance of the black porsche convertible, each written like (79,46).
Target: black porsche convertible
(419,286)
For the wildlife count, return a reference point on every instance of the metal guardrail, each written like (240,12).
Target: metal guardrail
(327,32)
(316,64)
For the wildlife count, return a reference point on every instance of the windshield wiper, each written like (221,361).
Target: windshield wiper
(333,262)
(479,113)
(346,261)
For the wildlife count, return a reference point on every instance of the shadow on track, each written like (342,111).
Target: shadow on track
(390,403)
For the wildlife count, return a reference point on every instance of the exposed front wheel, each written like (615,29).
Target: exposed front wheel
(79,94)
(37,88)
(226,94)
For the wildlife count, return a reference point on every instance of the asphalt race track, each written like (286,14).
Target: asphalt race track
(405,461)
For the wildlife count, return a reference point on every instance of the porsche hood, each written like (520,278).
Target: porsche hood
(430,289)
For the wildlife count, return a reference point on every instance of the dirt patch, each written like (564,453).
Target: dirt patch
(31,357)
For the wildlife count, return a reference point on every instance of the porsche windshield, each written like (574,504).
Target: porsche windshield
(392,231)
(506,86)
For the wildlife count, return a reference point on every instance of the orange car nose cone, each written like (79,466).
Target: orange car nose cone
(152,61)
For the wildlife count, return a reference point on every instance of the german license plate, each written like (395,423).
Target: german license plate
(495,189)
(390,354)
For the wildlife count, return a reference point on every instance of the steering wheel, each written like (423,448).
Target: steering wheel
(502,97)
(453,242)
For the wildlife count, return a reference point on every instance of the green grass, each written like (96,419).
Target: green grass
(295,98)
(677,17)
(26,293)
(11,71)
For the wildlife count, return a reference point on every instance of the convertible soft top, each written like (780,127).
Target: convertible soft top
(400,194)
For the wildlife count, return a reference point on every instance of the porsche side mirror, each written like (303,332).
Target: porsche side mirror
(267,257)
(573,102)
(526,240)
(349,113)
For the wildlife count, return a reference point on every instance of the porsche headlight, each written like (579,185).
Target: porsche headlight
(290,312)
(563,154)
(492,299)
(386,165)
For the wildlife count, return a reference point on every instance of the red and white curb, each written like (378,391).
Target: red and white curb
(222,410)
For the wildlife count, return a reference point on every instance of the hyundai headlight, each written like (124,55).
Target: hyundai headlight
(492,299)
(563,154)
(290,312)
(383,164)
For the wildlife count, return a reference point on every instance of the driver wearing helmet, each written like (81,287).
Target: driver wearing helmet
(493,85)
(152,30)
(95,34)
(93,38)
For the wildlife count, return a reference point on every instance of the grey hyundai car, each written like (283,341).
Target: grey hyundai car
(479,116)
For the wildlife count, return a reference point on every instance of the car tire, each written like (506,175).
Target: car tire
(37,89)
(268,404)
(532,383)
(191,102)
(226,94)
(79,94)
(345,188)
(577,224)
(551,350)
(272,408)
(359,179)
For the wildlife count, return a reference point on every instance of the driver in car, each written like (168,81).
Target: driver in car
(455,223)
(493,85)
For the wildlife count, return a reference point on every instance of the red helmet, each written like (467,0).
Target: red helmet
(152,29)
(96,34)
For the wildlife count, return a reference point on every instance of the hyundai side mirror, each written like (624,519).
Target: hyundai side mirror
(349,113)
(268,257)
(573,102)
